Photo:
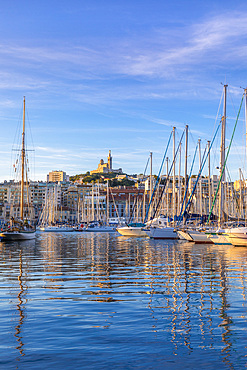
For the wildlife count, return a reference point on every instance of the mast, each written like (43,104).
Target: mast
(92,202)
(144,205)
(200,178)
(167,193)
(240,194)
(186,164)
(245,93)
(179,178)
(222,160)
(23,163)
(107,203)
(151,182)
(174,174)
(209,180)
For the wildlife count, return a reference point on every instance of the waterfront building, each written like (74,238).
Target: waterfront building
(57,176)
(73,202)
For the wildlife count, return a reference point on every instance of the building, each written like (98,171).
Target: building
(57,176)
(106,167)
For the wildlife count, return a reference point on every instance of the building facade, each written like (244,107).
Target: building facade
(57,176)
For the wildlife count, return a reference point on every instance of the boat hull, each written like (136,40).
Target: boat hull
(56,229)
(236,240)
(194,236)
(18,235)
(132,231)
(162,233)
(100,229)
(237,236)
(218,239)
(183,235)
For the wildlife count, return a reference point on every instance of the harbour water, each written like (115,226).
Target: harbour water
(101,301)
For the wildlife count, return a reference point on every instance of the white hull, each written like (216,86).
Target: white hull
(162,233)
(18,235)
(56,229)
(218,239)
(184,235)
(194,236)
(100,229)
(237,240)
(131,231)
(237,236)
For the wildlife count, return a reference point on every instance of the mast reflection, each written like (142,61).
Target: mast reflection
(20,308)
(184,287)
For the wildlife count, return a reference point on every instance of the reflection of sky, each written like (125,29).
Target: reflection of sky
(118,76)
(171,300)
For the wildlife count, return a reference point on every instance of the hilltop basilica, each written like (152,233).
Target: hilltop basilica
(106,167)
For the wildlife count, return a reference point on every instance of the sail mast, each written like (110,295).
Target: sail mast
(200,178)
(151,183)
(245,93)
(186,165)
(209,180)
(23,162)
(222,162)
(174,179)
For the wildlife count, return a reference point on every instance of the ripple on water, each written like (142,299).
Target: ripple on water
(85,300)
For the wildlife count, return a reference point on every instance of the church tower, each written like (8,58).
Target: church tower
(109,161)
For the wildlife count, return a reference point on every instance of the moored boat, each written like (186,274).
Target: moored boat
(218,237)
(132,229)
(162,233)
(60,228)
(95,226)
(21,228)
(237,236)
(194,235)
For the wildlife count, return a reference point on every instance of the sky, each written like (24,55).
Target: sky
(104,75)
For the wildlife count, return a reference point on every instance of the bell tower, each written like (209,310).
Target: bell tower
(109,161)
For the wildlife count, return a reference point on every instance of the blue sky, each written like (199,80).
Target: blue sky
(100,75)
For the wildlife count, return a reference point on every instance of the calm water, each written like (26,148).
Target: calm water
(78,300)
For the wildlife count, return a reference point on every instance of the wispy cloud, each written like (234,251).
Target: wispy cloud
(200,43)
(132,85)
(51,150)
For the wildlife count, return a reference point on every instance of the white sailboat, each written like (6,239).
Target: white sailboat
(237,236)
(47,220)
(101,224)
(209,234)
(194,235)
(20,229)
(158,228)
(54,228)
(218,237)
(136,229)
(96,226)
(132,229)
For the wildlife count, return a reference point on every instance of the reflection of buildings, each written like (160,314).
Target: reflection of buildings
(186,294)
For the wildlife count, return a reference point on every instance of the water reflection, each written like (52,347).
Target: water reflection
(20,309)
(189,299)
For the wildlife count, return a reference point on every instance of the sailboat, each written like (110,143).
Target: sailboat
(210,234)
(137,228)
(99,225)
(20,229)
(47,221)
(237,236)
